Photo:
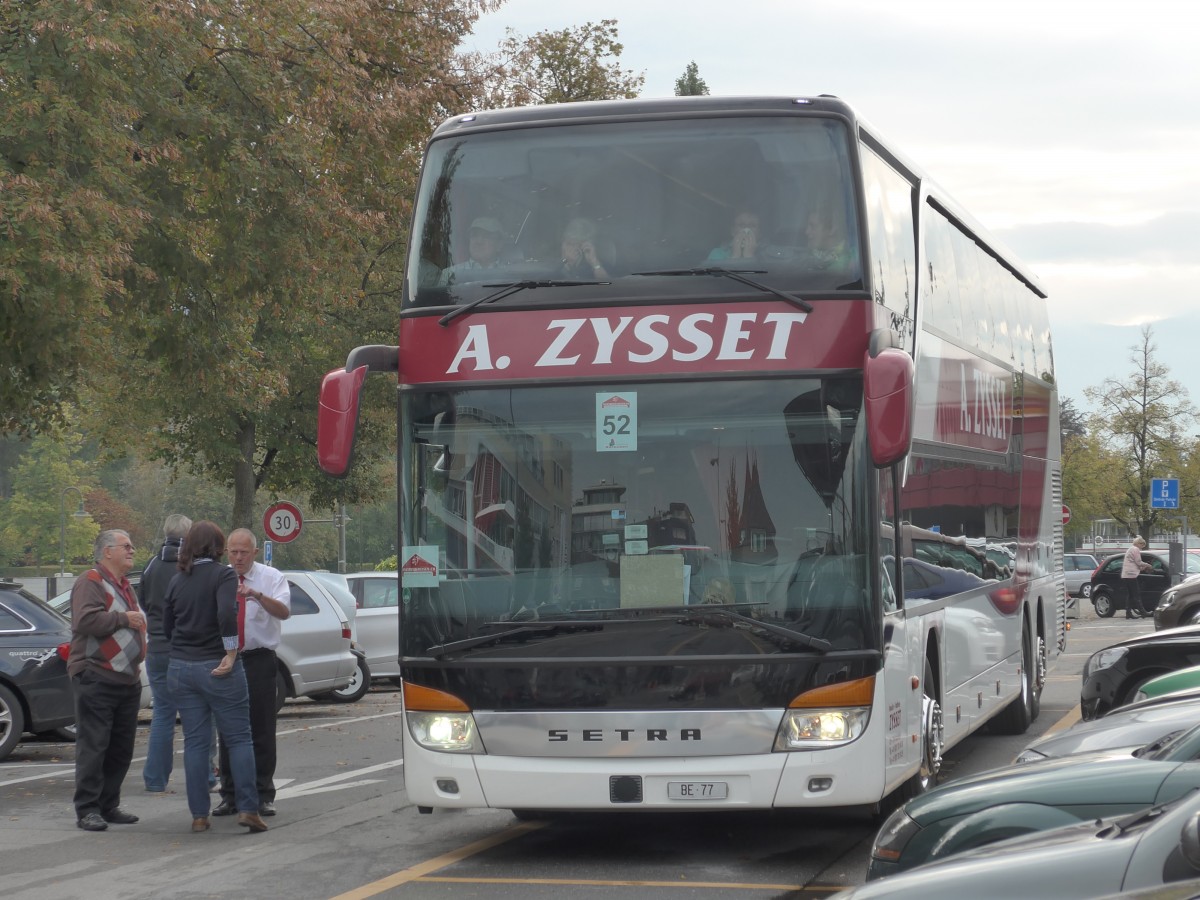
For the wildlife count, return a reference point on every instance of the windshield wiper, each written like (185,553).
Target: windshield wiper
(506,288)
(797,637)
(737,275)
(444,649)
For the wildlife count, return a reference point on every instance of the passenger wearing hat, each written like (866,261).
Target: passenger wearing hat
(486,242)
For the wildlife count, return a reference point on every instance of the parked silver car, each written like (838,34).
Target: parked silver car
(1136,725)
(336,586)
(1078,568)
(315,655)
(377,596)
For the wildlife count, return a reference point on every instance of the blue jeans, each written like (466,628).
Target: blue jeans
(203,698)
(161,750)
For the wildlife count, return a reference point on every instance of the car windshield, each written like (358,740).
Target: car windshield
(545,511)
(516,215)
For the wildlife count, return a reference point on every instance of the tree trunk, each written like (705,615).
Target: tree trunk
(245,484)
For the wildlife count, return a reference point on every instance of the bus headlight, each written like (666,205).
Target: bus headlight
(448,732)
(813,729)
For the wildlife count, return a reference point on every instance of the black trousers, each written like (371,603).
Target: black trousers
(1133,597)
(106,716)
(260,679)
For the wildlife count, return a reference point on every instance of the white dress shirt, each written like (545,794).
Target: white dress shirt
(262,629)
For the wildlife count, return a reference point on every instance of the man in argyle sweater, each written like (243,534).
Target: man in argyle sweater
(108,644)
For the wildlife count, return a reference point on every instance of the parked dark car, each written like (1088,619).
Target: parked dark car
(1138,852)
(1112,676)
(35,691)
(1108,593)
(1179,605)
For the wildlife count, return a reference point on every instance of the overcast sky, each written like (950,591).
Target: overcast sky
(1069,129)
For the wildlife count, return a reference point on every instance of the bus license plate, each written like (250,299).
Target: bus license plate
(697,790)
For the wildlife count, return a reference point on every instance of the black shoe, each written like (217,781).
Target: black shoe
(225,808)
(118,816)
(91,822)
(266,809)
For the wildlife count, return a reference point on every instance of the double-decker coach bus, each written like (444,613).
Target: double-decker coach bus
(728,463)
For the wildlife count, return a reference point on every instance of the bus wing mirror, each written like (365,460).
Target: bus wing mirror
(888,396)
(337,419)
(337,409)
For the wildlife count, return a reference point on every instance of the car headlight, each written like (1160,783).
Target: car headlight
(449,732)
(1104,659)
(1167,599)
(896,833)
(815,729)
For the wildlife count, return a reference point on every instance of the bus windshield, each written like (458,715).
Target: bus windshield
(571,206)
(601,520)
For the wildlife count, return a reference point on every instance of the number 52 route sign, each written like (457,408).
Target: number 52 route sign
(282,522)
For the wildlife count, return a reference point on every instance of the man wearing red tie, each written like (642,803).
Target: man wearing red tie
(264,601)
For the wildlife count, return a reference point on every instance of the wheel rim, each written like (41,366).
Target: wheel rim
(1040,664)
(6,721)
(1103,603)
(1086,591)
(355,683)
(933,737)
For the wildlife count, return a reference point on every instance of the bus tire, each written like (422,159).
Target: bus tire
(933,735)
(1039,677)
(1016,717)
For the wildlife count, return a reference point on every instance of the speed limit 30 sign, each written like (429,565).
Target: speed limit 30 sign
(282,522)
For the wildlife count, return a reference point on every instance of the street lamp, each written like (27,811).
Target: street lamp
(80,513)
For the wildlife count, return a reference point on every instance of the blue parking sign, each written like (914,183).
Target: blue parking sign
(1164,493)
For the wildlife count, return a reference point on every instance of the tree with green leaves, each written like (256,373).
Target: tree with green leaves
(580,63)
(255,168)
(690,84)
(1144,427)
(39,520)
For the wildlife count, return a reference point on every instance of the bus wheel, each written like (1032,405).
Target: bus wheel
(1015,718)
(933,735)
(1039,680)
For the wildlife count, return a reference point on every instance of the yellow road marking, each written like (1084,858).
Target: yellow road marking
(597,882)
(413,873)
(422,872)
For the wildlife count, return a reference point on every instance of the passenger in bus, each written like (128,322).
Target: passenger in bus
(743,240)
(580,256)
(826,246)
(486,241)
